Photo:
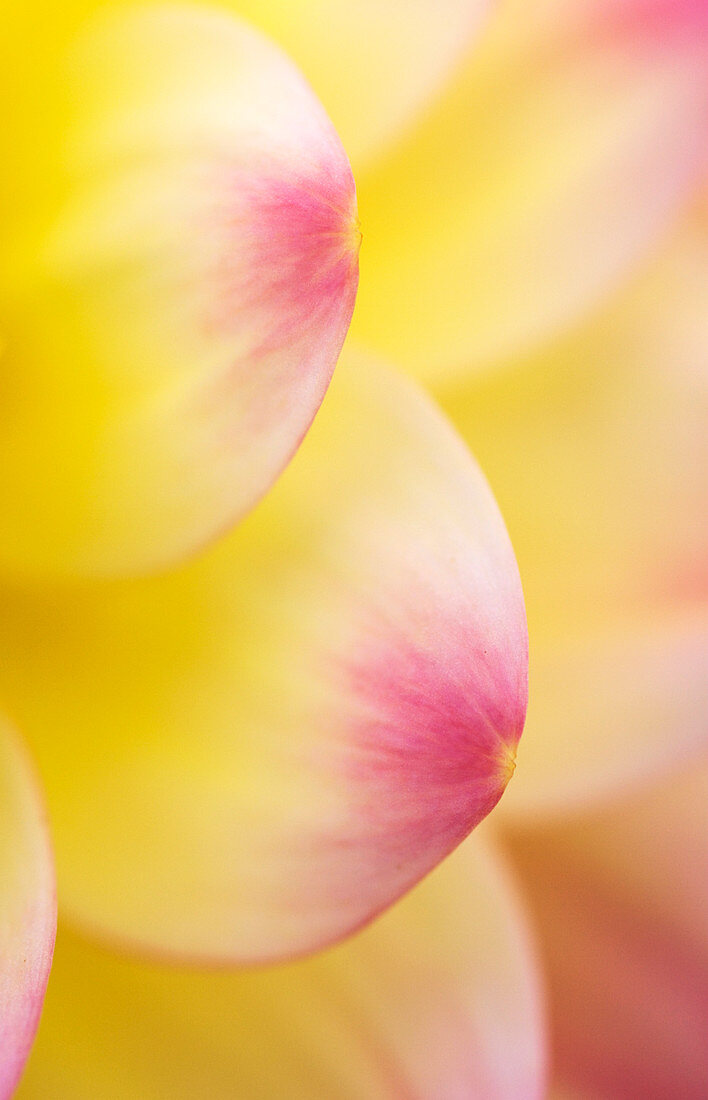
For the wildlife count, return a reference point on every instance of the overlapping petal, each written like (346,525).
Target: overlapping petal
(375,64)
(251,756)
(556,159)
(27,910)
(438,998)
(619,901)
(598,455)
(173,318)
(614,710)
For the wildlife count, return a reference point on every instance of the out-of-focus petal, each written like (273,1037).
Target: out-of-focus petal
(598,454)
(251,756)
(558,156)
(612,710)
(438,998)
(620,901)
(172,331)
(375,63)
(27,910)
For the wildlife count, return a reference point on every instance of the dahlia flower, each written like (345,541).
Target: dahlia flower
(263,647)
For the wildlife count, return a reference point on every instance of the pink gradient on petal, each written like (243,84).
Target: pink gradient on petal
(27,911)
(660,17)
(198,273)
(436,726)
(619,900)
(300,237)
(442,737)
(306,243)
(285,286)
(311,700)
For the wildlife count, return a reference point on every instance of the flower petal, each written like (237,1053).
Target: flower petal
(172,333)
(252,756)
(27,910)
(557,158)
(374,64)
(620,900)
(598,454)
(611,712)
(438,998)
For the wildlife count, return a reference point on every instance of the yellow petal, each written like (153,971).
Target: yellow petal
(27,910)
(619,900)
(556,159)
(598,454)
(437,999)
(375,64)
(253,755)
(171,331)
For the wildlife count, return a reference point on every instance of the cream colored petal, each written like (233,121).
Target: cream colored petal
(27,910)
(172,328)
(612,711)
(598,454)
(375,64)
(253,755)
(558,157)
(437,999)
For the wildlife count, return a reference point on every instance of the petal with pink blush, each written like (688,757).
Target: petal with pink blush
(556,159)
(375,64)
(27,910)
(619,900)
(252,756)
(173,328)
(598,454)
(439,998)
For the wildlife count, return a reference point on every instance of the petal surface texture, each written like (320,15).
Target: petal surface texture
(27,910)
(172,326)
(619,900)
(438,998)
(598,454)
(374,64)
(557,155)
(251,756)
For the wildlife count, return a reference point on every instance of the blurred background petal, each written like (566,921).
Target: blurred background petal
(27,909)
(556,158)
(375,64)
(249,757)
(619,901)
(172,328)
(597,451)
(439,999)
(611,713)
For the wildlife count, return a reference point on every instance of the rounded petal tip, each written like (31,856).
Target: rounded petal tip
(174,321)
